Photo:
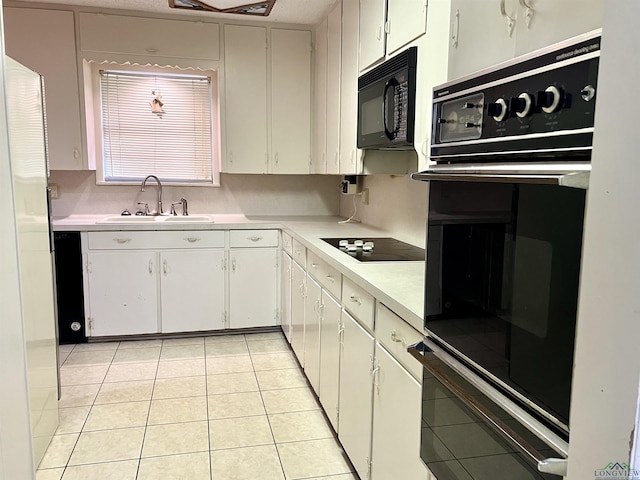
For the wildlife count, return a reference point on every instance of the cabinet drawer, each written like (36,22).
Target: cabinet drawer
(124,240)
(299,253)
(357,301)
(253,238)
(329,277)
(395,334)
(287,243)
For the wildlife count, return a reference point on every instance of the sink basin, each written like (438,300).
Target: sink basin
(145,219)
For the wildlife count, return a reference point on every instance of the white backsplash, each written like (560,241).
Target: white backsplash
(282,195)
(397,204)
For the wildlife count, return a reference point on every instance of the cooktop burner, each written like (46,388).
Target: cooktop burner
(377,249)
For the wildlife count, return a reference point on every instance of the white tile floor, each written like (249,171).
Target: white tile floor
(228,407)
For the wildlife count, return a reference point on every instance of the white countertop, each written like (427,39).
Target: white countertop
(399,285)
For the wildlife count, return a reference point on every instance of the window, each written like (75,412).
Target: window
(156,123)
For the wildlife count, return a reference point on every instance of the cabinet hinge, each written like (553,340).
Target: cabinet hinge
(369,463)
(224,263)
(90,321)
(224,318)
(276,315)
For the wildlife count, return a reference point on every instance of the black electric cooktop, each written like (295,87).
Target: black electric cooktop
(377,249)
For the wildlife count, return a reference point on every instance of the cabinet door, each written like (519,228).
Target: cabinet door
(253,287)
(330,336)
(245,76)
(551,21)
(285,308)
(354,421)
(482,34)
(334,21)
(372,37)
(298,293)
(406,21)
(44,41)
(319,156)
(312,309)
(350,156)
(290,101)
(192,290)
(397,402)
(123,293)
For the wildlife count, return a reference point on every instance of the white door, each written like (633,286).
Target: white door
(334,22)
(253,278)
(372,37)
(483,37)
(397,407)
(290,101)
(298,293)
(354,420)
(123,293)
(285,308)
(245,76)
(312,312)
(330,337)
(406,21)
(44,40)
(192,290)
(319,154)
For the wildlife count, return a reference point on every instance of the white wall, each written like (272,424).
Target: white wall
(238,194)
(15,432)
(607,363)
(397,205)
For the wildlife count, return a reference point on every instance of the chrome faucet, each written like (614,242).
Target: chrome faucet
(159,206)
(183,202)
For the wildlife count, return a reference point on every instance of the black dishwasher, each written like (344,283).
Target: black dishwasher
(69,288)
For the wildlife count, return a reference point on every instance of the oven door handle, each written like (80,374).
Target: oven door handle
(574,179)
(555,466)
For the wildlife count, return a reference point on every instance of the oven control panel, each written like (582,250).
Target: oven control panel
(542,104)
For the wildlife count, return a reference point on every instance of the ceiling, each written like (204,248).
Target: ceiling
(306,12)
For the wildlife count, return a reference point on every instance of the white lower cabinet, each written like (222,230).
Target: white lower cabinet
(312,315)
(397,403)
(354,421)
(330,341)
(298,293)
(253,281)
(123,293)
(285,307)
(192,290)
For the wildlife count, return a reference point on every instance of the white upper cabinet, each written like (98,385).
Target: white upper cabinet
(245,51)
(350,156)
(44,41)
(258,107)
(319,157)
(489,32)
(290,101)
(372,37)
(116,35)
(406,20)
(334,21)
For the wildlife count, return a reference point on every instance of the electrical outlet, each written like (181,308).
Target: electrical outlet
(365,196)
(53,189)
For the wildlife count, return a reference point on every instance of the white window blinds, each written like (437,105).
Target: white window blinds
(158,124)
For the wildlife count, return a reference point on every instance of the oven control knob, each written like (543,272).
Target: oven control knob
(588,93)
(522,105)
(550,99)
(497,110)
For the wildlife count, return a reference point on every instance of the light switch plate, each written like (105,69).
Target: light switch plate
(53,189)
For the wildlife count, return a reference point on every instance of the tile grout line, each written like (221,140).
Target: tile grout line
(206,393)
(144,435)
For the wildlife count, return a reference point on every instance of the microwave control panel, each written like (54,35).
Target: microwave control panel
(542,104)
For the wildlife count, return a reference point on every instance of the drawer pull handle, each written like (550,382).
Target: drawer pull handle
(330,278)
(314,265)
(255,238)
(394,337)
(192,239)
(233,265)
(165,268)
(355,299)
(150,266)
(121,240)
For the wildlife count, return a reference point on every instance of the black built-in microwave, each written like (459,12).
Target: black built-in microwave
(386,103)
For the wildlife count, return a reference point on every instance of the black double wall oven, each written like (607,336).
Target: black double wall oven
(507,198)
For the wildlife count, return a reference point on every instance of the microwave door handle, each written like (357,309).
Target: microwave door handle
(391,83)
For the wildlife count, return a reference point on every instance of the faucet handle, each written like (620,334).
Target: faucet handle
(173,208)
(145,211)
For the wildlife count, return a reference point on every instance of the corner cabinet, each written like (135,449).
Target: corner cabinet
(267,100)
(253,278)
(44,41)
